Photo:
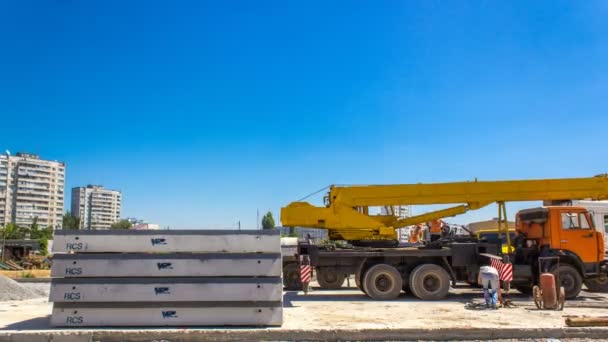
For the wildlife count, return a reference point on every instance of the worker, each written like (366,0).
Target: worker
(416,234)
(435,229)
(489,278)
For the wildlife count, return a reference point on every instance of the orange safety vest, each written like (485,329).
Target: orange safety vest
(435,226)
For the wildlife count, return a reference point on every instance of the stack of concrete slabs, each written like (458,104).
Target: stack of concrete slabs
(166,278)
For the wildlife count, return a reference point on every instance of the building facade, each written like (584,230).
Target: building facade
(95,206)
(31,189)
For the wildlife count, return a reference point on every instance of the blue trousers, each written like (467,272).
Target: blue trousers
(490,295)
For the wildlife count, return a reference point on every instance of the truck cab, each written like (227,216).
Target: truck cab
(569,233)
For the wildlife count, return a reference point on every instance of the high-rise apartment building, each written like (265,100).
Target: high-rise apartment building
(31,189)
(96,206)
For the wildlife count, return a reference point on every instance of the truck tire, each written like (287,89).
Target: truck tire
(570,279)
(330,279)
(429,282)
(597,285)
(359,281)
(382,282)
(291,277)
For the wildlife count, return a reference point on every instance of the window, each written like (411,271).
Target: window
(606,223)
(569,221)
(574,221)
(584,222)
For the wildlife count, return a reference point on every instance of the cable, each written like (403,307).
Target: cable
(314,193)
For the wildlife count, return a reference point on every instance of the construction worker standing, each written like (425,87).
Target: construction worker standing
(489,278)
(435,229)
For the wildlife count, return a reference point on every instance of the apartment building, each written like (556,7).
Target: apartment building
(31,188)
(97,207)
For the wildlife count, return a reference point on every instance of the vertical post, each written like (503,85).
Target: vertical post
(499,220)
(506,222)
(239,225)
(3,242)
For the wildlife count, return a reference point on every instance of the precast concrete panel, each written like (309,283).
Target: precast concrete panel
(167,241)
(164,314)
(166,289)
(166,265)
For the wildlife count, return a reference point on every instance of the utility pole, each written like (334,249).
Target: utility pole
(239,225)
(258,218)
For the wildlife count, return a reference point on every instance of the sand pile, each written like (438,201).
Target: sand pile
(12,290)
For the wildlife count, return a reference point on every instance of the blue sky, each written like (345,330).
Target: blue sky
(202,112)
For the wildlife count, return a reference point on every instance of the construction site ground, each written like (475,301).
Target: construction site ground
(344,314)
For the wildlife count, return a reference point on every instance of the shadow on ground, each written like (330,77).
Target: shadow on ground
(38,323)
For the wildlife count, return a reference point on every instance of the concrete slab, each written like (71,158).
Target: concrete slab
(165,314)
(165,265)
(166,289)
(167,241)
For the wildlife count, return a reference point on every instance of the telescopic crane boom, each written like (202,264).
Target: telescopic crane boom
(346,214)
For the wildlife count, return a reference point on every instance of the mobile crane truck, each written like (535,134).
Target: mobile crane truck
(382,268)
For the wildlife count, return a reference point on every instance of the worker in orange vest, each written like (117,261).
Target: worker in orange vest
(435,229)
(416,234)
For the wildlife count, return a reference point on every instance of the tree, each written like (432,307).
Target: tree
(12,231)
(70,221)
(122,224)
(42,235)
(268,221)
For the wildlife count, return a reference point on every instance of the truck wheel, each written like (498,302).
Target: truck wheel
(570,279)
(429,282)
(359,281)
(291,277)
(382,282)
(597,285)
(330,279)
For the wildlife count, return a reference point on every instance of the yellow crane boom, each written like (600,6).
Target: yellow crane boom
(346,214)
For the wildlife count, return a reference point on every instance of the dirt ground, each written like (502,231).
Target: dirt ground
(334,314)
(348,308)
(27,273)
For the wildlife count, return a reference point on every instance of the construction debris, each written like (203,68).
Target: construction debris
(587,321)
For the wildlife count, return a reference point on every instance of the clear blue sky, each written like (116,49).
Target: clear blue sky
(202,112)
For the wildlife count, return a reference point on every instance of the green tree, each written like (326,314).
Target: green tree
(70,221)
(12,231)
(42,235)
(34,231)
(268,221)
(122,224)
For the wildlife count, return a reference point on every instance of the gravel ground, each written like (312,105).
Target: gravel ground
(42,289)
(12,290)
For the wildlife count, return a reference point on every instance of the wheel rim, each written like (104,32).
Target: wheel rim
(431,283)
(330,277)
(383,283)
